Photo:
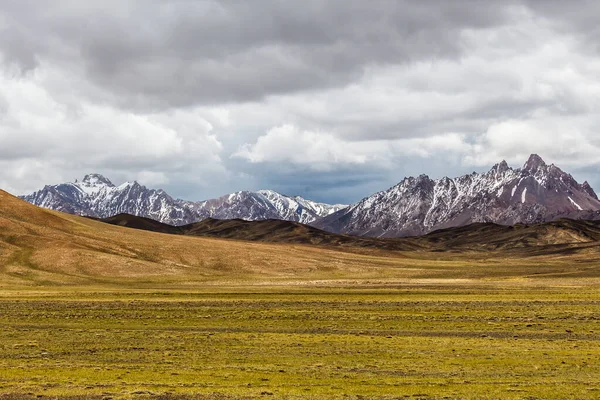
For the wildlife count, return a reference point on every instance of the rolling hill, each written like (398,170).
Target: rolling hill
(40,247)
(563,233)
(268,231)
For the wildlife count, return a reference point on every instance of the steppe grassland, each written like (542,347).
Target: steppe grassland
(98,311)
(423,341)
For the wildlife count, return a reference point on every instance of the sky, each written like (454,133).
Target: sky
(332,100)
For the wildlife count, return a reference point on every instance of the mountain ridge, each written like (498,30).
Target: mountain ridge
(535,193)
(554,236)
(96,196)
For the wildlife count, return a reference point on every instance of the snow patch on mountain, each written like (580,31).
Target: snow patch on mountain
(575,204)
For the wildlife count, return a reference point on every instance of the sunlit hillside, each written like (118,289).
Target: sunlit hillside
(42,247)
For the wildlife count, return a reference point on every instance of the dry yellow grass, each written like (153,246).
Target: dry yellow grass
(96,311)
(48,248)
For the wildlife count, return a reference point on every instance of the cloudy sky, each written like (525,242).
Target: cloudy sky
(332,100)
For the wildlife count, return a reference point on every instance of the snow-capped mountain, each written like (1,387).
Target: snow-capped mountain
(96,196)
(298,208)
(264,204)
(536,192)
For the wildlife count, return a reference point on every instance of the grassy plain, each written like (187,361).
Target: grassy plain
(418,342)
(90,310)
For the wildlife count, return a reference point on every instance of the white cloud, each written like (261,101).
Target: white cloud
(152,178)
(564,141)
(47,139)
(319,151)
(325,152)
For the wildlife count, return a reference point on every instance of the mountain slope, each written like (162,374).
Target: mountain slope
(551,237)
(269,231)
(145,224)
(263,205)
(40,247)
(96,196)
(562,233)
(298,208)
(537,192)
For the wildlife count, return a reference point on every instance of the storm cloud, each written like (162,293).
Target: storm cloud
(329,99)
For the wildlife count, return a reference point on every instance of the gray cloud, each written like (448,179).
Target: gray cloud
(193,95)
(578,17)
(4,105)
(182,53)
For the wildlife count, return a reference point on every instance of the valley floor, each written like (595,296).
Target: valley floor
(420,341)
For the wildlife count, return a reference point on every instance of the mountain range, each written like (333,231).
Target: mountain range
(97,196)
(45,247)
(534,193)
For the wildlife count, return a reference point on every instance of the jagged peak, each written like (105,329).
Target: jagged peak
(501,167)
(586,187)
(235,195)
(96,180)
(134,185)
(269,192)
(534,163)
(126,184)
(273,193)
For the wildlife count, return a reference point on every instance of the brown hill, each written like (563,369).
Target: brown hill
(146,224)
(268,231)
(40,247)
(491,236)
(550,236)
(278,231)
(44,247)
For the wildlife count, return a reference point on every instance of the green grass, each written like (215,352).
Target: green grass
(420,342)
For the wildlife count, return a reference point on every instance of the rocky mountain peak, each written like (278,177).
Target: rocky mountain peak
(501,167)
(538,192)
(424,183)
(96,180)
(96,196)
(585,186)
(534,163)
